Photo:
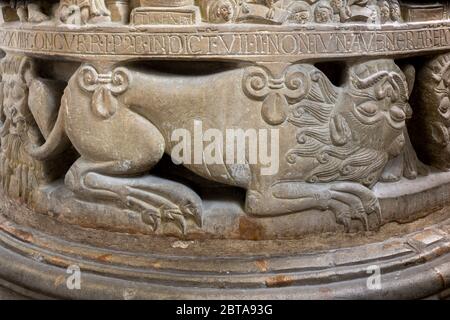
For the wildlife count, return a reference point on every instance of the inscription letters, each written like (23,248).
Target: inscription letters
(223,43)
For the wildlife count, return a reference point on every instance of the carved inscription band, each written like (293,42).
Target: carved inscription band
(246,45)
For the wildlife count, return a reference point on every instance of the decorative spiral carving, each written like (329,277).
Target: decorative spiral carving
(298,112)
(297,83)
(292,157)
(88,78)
(256,83)
(120,80)
(347,170)
(301,138)
(323,157)
(117,82)
(371,179)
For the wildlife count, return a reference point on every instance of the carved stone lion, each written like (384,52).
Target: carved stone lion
(336,140)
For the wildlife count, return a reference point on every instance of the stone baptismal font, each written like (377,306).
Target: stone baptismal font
(225,149)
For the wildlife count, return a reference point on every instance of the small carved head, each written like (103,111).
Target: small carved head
(17,73)
(221,11)
(300,13)
(70,14)
(337,5)
(385,11)
(396,13)
(323,12)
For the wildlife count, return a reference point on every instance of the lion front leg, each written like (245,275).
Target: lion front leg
(348,201)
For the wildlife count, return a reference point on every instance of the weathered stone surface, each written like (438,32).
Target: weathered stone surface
(151,142)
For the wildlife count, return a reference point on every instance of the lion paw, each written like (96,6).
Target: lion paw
(352,201)
(179,215)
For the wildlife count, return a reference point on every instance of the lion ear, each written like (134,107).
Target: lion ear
(339,130)
(410,74)
(27,71)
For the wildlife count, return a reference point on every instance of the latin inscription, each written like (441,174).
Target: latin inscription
(163,17)
(210,43)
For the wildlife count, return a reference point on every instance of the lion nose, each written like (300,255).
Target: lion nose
(397,114)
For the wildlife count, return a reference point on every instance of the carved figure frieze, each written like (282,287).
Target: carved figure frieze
(80,12)
(30,11)
(227,11)
(301,12)
(278,12)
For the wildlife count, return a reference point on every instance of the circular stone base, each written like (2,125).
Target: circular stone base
(224,216)
(413,261)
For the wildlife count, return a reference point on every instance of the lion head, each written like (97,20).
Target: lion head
(16,72)
(352,131)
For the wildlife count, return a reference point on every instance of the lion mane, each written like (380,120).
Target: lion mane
(324,135)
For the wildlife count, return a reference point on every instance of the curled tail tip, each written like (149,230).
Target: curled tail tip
(57,141)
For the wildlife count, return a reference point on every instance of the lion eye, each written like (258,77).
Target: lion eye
(368,109)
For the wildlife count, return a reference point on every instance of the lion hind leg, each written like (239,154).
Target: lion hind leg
(75,179)
(157,200)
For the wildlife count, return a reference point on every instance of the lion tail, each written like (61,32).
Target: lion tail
(57,141)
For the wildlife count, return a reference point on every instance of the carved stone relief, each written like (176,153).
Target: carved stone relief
(298,12)
(335,144)
(260,136)
(83,11)
(29,11)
